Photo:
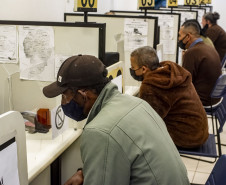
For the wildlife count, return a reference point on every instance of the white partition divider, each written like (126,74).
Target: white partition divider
(27,95)
(69,39)
(185,13)
(159,50)
(115,35)
(116,73)
(169,26)
(12,126)
(200,12)
(4,95)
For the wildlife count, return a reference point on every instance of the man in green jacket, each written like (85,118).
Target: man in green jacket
(124,141)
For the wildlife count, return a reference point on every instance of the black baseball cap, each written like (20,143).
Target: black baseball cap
(77,71)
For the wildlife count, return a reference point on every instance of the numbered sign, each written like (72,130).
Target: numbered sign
(87,5)
(204,2)
(172,3)
(191,2)
(146,3)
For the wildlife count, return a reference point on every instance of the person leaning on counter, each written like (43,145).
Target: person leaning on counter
(124,140)
(168,88)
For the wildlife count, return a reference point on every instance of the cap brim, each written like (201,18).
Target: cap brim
(53,90)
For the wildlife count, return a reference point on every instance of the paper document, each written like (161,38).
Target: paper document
(8,44)
(135,33)
(59,121)
(36,53)
(59,59)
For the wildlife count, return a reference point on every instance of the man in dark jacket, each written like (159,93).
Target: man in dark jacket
(168,88)
(201,60)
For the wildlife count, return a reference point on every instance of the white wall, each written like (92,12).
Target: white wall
(219,6)
(125,5)
(53,10)
(104,6)
(32,10)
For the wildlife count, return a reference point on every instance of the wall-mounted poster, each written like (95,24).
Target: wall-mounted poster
(135,32)
(36,53)
(8,44)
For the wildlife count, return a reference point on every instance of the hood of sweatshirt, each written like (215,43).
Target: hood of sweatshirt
(168,75)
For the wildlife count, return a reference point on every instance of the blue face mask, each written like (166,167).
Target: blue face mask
(73,111)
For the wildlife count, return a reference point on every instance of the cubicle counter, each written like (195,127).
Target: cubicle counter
(42,150)
(132,90)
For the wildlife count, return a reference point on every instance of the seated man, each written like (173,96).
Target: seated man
(124,140)
(168,88)
(203,36)
(201,60)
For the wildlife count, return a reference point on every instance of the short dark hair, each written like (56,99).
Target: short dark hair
(146,56)
(212,17)
(192,27)
(198,24)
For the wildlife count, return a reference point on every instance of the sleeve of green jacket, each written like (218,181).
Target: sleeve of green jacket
(104,160)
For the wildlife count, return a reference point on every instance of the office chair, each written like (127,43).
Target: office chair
(218,91)
(208,149)
(220,117)
(217,176)
(223,63)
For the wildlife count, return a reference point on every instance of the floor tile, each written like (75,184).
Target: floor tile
(191,164)
(191,175)
(200,178)
(198,171)
(204,167)
(223,137)
(223,149)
